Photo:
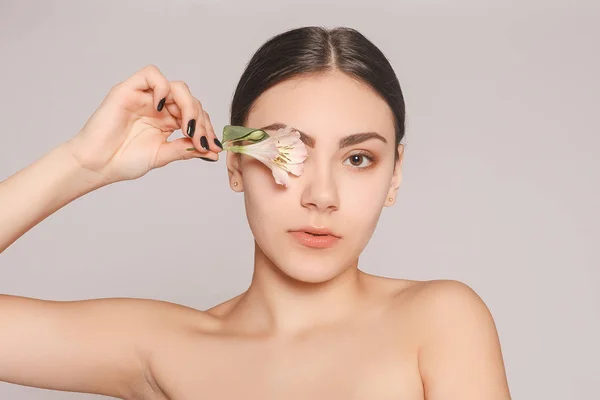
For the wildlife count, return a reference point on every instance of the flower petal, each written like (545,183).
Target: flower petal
(296,169)
(281,176)
(286,137)
(297,153)
(267,148)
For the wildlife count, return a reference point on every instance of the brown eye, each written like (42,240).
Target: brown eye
(358,160)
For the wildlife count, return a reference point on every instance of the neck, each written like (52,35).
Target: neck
(276,303)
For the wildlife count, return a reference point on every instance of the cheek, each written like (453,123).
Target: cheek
(364,191)
(259,214)
(362,199)
(263,200)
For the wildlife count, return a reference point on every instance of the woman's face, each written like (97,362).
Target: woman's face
(343,189)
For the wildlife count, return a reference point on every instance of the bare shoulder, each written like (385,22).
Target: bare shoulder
(439,307)
(459,352)
(440,296)
(432,302)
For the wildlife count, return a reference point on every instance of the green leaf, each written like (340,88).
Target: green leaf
(231,133)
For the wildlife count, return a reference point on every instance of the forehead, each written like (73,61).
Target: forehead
(331,102)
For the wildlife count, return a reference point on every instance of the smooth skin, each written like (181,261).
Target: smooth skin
(318,329)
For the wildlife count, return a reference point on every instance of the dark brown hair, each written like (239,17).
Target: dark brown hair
(310,50)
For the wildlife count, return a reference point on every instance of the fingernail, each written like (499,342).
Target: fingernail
(204,142)
(191,128)
(218,143)
(161,104)
(207,159)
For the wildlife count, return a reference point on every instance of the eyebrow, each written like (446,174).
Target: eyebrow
(346,141)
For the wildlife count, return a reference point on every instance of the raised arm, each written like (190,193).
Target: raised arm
(96,346)
(124,139)
(35,192)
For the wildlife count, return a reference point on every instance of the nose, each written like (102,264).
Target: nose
(320,191)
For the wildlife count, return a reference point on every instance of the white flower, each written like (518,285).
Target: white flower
(283,152)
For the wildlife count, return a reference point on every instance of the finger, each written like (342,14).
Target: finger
(192,117)
(150,78)
(180,149)
(172,107)
(214,143)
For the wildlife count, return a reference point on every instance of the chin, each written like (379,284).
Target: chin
(307,272)
(311,265)
(306,264)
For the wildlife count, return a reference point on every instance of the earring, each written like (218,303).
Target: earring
(235,183)
(391,199)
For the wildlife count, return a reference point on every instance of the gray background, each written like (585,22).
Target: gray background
(501,172)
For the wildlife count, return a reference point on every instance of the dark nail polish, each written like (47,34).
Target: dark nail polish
(161,104)
(218,143)
(204,142)
(191,128)
(207,159)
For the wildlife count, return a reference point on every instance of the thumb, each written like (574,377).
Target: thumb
(178,150)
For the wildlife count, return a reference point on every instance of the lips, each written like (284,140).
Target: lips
(316,232)
(318,238)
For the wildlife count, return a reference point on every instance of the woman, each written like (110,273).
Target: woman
(311,325)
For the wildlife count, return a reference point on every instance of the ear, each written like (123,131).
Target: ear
(396,178)
(233,161)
